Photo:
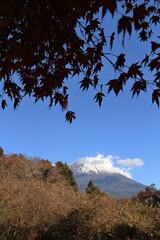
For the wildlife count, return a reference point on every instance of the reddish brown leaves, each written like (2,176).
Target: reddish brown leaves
(61,99)
(43,45)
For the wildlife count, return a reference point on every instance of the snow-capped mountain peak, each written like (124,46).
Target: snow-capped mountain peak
(105,175)
(96,165)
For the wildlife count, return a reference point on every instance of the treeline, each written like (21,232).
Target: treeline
(39,201)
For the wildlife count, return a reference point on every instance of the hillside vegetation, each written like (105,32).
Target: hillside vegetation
(39,201)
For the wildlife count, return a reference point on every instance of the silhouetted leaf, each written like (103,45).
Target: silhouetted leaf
(155,19)
(137,87)
(145,25)
(125,24)
(95,81)
(16,102)
(85,83)
(98,67)
(145,60)
(157,77)
(65,90)
(61,99)
(143,36)
(154,64)
(120,61)
(134,71)
(116,85)
(70,116)
(139,14)
(156,96)
(154,46)
(3,104)
(99,97)
(109,5)
(58,97)
(111,40)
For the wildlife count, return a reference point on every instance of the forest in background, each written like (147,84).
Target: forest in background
(39,201)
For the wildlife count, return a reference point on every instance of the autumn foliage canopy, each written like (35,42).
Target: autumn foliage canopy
(44,43)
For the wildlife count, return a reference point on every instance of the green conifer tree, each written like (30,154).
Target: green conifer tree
(92,189)
(68,174)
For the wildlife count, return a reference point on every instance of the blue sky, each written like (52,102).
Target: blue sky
(123,127)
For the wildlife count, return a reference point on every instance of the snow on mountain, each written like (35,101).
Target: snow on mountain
(97,165)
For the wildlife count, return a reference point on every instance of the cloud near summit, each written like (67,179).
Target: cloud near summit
(109,161)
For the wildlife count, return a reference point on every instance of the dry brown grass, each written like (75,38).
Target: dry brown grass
(32,209)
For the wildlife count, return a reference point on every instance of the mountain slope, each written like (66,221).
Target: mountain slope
(111,180)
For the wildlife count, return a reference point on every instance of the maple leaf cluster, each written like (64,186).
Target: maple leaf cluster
(44,43)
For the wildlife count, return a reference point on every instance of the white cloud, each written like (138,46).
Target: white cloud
(102,164)
(131,162)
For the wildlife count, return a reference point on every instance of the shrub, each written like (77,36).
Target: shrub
(92,189)
(1,151)
(65,171)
